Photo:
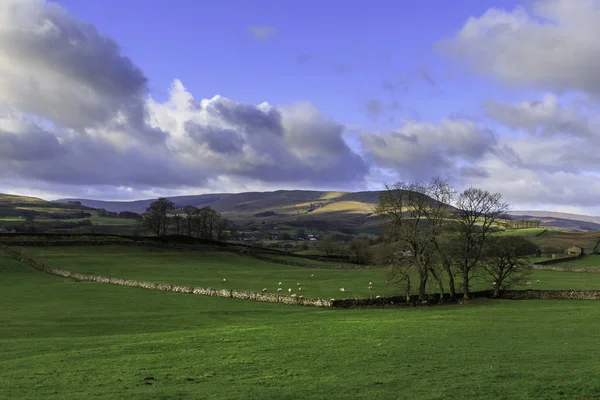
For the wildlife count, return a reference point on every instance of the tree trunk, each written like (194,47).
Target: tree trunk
(423,275)
(465,283)
(451,287)
(439,282)
(496,291)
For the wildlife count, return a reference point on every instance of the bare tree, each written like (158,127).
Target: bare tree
(400,268)
(190,212)
(503,260)
(327,245)
(358,249)
(406,206)
(156,217)
(439,214)
(477,212)
(177,215)
(222,225)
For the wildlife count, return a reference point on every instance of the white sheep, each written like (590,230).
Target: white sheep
(264,289)
(279,283)
(279,289)
(224,280)
(290,290)
(299,289)
(537,281)
(529,283)
(312,275)
(297,283)
(342,289)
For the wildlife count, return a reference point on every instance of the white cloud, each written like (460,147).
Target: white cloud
(552,47)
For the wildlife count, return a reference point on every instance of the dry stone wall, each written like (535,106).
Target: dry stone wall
(239,294)
(397,301)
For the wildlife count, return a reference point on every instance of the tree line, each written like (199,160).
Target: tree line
(163,217)
(435,234)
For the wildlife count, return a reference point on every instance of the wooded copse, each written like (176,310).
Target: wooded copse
(163,217)
(434,233)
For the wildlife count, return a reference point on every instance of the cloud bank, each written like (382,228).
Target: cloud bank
(77,117)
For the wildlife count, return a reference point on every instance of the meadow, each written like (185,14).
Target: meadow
(209,268)
(61,339)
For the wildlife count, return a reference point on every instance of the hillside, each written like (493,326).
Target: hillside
(326,210)
(14,206)
(571,222)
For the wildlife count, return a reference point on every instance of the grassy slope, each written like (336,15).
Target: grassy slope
(588,261)
(66,340)
(207,269)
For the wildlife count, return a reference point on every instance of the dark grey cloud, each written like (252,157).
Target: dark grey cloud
(470,171)
(262,32)
(424,75)
(218,140)
(64,70)
(374,107)
(420,150)
(341,69)
(305,58)
(250,118)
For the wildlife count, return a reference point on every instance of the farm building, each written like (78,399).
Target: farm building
(575,251)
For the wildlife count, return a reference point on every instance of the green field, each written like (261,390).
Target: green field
(303,260)
(60,339)
(208,269)
(587,261)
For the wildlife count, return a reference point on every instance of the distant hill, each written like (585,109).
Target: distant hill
(328,210)
(300,207)
(15,205)
(572,222)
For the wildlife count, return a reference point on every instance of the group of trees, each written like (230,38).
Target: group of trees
(122,214)
(436,234)
(163,217)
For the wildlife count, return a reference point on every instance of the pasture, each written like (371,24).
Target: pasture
(61,339)
(209,268)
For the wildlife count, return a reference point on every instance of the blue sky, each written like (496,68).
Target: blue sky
(124,99)
(206,45)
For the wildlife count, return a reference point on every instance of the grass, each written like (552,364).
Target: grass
(586,261)
(302,260)
(208,269)
(521,232)
(66,340)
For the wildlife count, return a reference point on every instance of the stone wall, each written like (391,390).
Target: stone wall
(239,294)
(565,269)
(396,301)
(551,294)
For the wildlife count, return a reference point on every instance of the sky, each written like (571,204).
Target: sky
(124,99)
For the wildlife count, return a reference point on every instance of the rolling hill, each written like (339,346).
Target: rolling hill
(566,221)
(320,209)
